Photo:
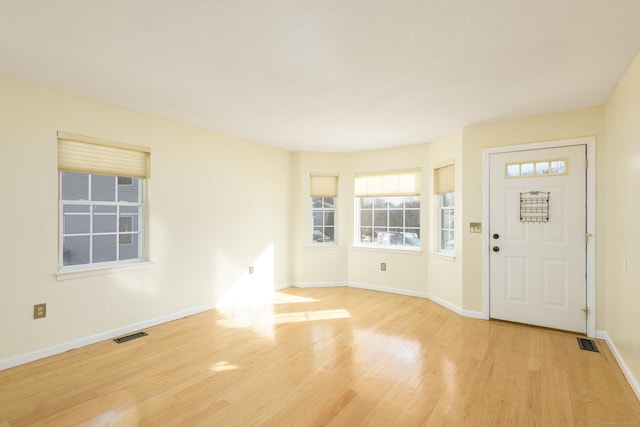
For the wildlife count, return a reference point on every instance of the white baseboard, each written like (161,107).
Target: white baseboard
(458,310)
(633,382)
(319,284)
(282,286)
(92,339)
(388,290)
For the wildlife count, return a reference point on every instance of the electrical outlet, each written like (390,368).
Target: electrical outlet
(383,266)
(251,269)
(40,311)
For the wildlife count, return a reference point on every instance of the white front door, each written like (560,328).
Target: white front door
(537,226)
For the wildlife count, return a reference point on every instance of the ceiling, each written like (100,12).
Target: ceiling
(326,75)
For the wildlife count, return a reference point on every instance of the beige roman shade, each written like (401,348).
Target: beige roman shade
(444,179)
(323,185)
(387,184)
(91,155)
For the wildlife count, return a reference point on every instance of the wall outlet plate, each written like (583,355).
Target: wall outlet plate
(40,311)
(475,227)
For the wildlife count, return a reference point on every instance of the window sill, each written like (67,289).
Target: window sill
(409,251)
(444,256)
(70,273)
(324,246)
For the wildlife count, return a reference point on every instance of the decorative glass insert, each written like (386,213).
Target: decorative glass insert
(534,206)
(537,168)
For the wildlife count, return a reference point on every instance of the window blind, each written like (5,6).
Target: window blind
(91,155)
(324,185)
(388,184)
(444,179)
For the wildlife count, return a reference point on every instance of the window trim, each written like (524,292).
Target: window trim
(375,246)
(335,226)
(92,269)
(440,250)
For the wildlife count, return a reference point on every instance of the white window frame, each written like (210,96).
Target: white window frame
(142,241)
(387,246)
(324,226)
(441,227)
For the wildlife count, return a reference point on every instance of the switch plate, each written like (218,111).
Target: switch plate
(383,266)
(40,311)
(475,227)
(251,269)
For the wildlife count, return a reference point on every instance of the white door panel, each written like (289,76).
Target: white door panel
(538,264)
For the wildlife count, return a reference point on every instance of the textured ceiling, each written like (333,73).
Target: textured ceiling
(329,75)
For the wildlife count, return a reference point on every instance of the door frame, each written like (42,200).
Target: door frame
(590,143)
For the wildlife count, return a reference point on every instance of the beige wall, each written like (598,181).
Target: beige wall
(445,273)
(321,265)
(619,197)
(218,205)
(406,271)
(565,125)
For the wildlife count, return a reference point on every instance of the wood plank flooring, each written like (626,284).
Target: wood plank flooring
(337,357)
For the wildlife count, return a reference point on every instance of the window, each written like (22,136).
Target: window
(446,221)
(323,191)
(444,180)
(388,209)
(102,211)
(537,168)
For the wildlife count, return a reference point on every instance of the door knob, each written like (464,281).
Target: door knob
(496,236)
(496,249)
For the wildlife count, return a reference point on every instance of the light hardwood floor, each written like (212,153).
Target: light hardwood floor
(337,356)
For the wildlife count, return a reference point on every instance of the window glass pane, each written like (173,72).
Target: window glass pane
(125,180)
(76,224)
(542,168)
(380,203)
(365,218)
(330,232)
(329,202)
(130,210)
(412,237)
(103,188)
(129,247)
(75,250)
(125,224)
(317,217)
(104,222)
(412,202)
(448,199)
(513,170)
(396,218)
(76,209)
(329,218)
(104,248)
(380,218)
(412,218)
(318,234)
(558,166)
(381,236)
(396,202)
(128,192)
(366,234)
(446,242)
(75,186)
(366,202)
(526,169)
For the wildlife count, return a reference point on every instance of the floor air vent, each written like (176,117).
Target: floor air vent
(588,345)
(134,336)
